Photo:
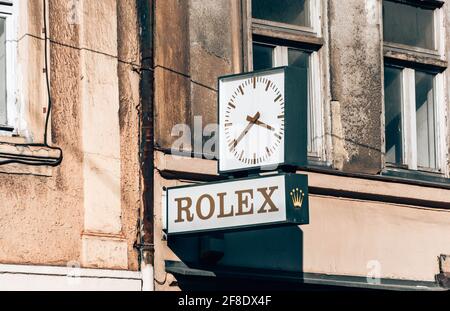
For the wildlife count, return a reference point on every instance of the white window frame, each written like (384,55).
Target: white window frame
(280,58)
(439,38)
(314,97)
(315,21)
(9,11)
(409,130)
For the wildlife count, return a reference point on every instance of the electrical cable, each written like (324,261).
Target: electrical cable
(38,160)
(163,282)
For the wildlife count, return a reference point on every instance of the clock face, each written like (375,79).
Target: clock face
(251,111)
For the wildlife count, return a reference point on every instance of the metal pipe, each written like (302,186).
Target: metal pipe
(146,20)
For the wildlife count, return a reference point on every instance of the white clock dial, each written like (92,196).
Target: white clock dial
(252,121)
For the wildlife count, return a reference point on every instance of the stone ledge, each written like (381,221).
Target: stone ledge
(64,271)
(51,278)
(104,252)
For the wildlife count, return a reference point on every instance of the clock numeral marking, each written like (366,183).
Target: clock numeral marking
(232,144)
(278,136)
(254,158)
(281,116)
(254,82)
(228,124)
(268,151)
(241,90)
(276,99)
(231,105)
(268,85)
(241,156)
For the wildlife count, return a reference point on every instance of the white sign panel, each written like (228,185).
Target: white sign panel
(239,203)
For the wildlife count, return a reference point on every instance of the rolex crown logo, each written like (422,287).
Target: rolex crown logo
(297,197)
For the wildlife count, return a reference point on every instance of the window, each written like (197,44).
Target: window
(285,33)
(393,114)
(290,12)
(413,90)
(6,66)
(409,25)
(411,118)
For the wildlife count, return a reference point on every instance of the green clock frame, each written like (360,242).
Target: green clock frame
(295,122)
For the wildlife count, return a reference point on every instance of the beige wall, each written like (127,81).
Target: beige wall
(86,209)
(346,236)
(402,227)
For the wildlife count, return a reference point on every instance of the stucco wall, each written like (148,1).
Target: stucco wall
(346,235)
(356,81)
(392,239)
(85,210)
(190,56)
(193,46)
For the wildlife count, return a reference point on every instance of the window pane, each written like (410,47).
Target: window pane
(393,114)
(295,12)
(262,56)
(2,71)
(406,24)
(425,120)
(300,59)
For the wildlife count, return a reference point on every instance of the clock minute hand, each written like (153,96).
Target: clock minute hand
(251,121)
(260,123)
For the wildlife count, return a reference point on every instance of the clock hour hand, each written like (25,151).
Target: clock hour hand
(251,121)
(260,123)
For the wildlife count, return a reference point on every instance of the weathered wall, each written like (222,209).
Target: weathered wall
(356,82)
(41,216)
(346,236)
(129,96)
(85,210)
(193,46)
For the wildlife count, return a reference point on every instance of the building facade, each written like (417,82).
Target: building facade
(131,101)
(78,217)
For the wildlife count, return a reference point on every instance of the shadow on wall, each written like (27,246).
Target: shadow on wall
(247,255)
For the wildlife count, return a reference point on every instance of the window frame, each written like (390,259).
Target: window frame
(409,128)
(411,59)
(309,39)
(439,34)
(8,10)
(314,16)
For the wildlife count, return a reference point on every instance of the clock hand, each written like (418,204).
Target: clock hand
(252,121)
(260,123)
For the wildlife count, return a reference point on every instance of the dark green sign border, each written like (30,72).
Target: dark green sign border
(294,216)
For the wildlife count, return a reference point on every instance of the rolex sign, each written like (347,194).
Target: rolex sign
(239,203)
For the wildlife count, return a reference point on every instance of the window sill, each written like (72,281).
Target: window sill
(420,176)
(407,56)
(283,27)
(322,181)
(291,37)
(206,170)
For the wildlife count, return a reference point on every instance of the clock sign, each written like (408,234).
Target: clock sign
(263,120)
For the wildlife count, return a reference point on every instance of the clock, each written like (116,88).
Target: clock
(263,120)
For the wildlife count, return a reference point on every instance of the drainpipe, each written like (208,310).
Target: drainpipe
(146,20)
